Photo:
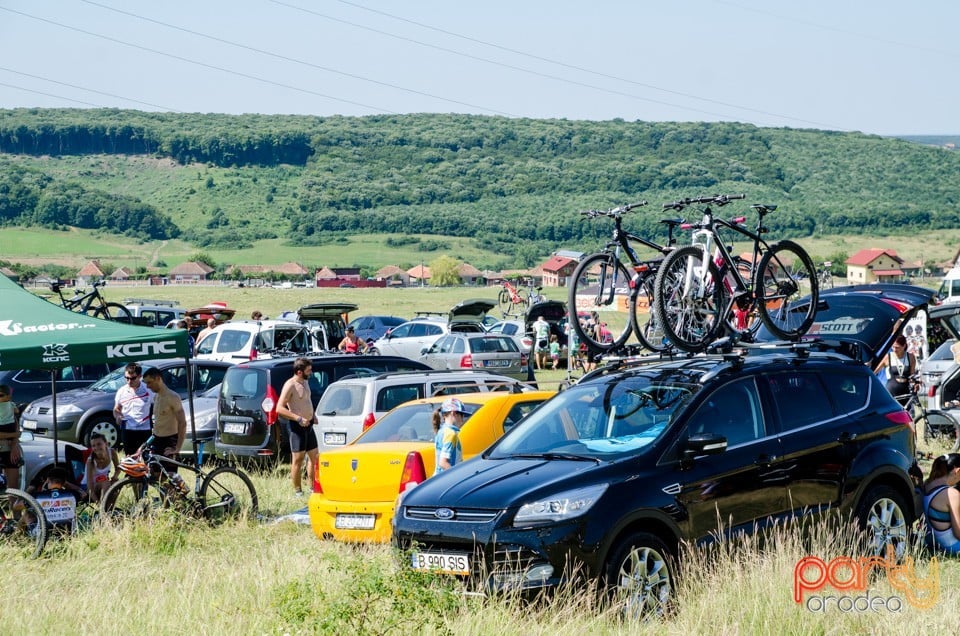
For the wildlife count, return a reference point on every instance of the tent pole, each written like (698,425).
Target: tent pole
(193,422)
(56,433)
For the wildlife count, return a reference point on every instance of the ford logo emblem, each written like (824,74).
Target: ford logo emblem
(443,513)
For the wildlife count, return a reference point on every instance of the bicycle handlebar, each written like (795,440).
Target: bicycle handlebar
(717,199)
(623,209)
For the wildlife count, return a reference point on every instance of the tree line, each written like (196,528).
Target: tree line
(514,185)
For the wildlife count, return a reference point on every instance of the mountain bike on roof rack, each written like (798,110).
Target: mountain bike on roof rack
(93,303)
(703,290)
(603,276)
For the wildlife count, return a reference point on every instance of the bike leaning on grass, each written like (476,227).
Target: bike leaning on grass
(156,482)
(603,275)
(702,289)
(23,526)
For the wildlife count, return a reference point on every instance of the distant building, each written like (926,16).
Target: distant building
(190,272)
(122,274)
(418,274)
(90,273)
(557,270)
(874,265)
(469,275)
(393,276)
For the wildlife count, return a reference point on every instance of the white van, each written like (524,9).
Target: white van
(949,291)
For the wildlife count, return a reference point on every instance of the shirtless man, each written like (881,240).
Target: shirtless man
(296,406)
(169,420)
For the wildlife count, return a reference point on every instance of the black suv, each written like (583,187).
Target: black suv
(609,477)
(247,410)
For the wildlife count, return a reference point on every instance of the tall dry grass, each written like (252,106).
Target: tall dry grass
(174,575)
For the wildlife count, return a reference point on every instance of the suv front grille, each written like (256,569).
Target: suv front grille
(463,515)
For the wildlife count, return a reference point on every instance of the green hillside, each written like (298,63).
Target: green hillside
(510,187)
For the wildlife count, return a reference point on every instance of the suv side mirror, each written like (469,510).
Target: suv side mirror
(704,444)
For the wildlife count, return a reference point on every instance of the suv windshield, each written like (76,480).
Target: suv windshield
(411,423)
(603,419)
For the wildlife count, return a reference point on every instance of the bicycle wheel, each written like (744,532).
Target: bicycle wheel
(227,492)
(129,498)
(688,305)
(777,286)
(941,432)
(23,527)
(115,312)
(600,278)
(503,301)
(648,332)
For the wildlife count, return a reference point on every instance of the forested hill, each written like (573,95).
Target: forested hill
(506,182)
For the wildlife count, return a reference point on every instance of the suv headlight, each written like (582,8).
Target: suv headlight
(568,504)
(68,409)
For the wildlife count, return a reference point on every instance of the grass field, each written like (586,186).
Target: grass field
(174,575)
(76,247)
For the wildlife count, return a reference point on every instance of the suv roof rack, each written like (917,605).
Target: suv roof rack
(427,314)
(151,301)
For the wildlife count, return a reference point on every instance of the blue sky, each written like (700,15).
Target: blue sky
(874,66)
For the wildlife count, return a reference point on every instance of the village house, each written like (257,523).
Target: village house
(393,276)
(90,273)
(874,265)
(557,270)
(190,272)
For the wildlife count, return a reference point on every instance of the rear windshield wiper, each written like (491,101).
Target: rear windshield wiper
(571,456)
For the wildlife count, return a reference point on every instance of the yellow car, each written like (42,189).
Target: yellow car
(357,486)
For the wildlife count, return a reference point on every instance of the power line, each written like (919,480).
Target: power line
(202,64)
(69,99)
(294,60)
(556,62)
(90,90)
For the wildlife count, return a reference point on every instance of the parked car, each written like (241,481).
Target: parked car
(410,338)
(27,385)
(204,410)
(370,328)
(612,475)
(516,330)
(247,407)
(935,365)
(155,315)
(81,412)
(356,486)
(244,340)
(38,458)
(353,404)
(325,322)
(479,351)
(943,322)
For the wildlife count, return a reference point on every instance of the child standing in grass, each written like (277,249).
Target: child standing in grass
(554,351)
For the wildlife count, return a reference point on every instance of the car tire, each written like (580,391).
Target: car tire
(885,519)
(640,577)
(104,425)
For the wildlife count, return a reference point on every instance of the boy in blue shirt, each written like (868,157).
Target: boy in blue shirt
(447,441)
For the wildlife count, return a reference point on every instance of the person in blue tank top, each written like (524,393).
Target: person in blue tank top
(941,503)
(447,441)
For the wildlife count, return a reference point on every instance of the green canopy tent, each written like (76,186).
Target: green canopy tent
(36,334)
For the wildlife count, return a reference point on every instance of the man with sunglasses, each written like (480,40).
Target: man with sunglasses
(132,409)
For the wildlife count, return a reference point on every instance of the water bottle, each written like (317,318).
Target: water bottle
(178,483)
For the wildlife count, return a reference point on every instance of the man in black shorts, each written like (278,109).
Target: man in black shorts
(296,406)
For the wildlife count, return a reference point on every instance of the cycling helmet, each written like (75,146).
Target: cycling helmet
(133,466)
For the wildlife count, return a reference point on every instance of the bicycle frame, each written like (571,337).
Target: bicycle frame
(80,300)
(620,243)
(707,237)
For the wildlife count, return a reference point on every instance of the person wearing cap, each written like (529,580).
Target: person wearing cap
(351,343)
(447,441)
